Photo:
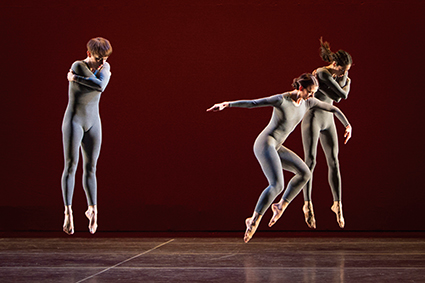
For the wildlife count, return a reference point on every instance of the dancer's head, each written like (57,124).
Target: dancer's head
(341,60)
(306,84)
(99,49)
(99,46)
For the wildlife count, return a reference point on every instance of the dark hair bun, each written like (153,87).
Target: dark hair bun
(296,84)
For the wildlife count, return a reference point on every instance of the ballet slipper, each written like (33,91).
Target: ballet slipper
(309,214)
(68,223)
(91,214)
(337,209)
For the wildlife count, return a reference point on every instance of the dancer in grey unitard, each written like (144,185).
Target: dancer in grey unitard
(81,128)
(288,110)
(334,85)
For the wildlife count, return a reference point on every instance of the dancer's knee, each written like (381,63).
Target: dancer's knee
(276,188)
(305,175)
(311,162)
(70,167)
(333,163)
(90,168)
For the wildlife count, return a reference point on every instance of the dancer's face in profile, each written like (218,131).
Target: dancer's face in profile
(306,93)
(340,70)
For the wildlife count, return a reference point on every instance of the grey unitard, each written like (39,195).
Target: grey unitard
(319,125)
(272,155)
(81,127)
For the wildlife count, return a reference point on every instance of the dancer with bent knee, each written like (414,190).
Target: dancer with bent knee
(334,84)
(288,110)
(81,127)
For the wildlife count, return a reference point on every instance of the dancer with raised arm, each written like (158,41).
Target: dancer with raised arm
(334,85)
(288,110)
(81,127)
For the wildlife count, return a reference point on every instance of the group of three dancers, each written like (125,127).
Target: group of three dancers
(81,128)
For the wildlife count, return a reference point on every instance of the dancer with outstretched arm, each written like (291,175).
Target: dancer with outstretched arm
(334,85)
(288,110)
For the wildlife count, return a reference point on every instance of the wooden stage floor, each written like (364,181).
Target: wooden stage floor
(212,259)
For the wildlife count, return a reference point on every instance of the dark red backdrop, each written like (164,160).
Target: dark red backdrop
(166,164)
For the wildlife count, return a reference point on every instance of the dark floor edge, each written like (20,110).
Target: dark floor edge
(216,234)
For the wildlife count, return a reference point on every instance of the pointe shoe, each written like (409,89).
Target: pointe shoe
(337,209)
(309,215)
(92,217)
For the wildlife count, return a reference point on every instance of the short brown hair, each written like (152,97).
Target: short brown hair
(99,46)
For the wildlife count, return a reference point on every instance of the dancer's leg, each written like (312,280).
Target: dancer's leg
(329,142)
(310,136)
(271,165)
(293,163)
(91,149)
(310,131)
(72,135)
(269,160)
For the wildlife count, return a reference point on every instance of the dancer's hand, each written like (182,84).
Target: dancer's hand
(218,107)
(71,75)
(347,134)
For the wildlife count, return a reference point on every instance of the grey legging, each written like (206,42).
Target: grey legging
(81,128)
(272,162)
(268,148)
(320,125)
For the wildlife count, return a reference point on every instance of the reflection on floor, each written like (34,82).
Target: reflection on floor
(212,259)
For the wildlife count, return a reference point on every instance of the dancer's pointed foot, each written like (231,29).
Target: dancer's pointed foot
(68,223)
(337,209)
(251,226)
(309,214)
(278,209)
(91,214)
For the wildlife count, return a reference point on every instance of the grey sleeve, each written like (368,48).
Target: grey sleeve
(315,103)
(97,81)
(273,100)
(336,90)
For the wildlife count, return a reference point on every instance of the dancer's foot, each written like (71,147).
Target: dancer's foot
(309,214)
(251,226)
(68,223)
(337,209)
(278,209)
(91,214)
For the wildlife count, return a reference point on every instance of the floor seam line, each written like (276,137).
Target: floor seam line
(124,261)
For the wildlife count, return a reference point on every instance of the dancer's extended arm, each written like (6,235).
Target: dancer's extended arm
(273,100)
